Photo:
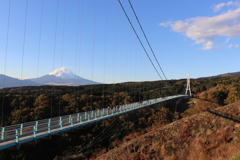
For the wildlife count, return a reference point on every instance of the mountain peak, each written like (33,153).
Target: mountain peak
(63,73)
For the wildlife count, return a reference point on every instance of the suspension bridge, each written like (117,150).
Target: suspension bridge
(15,135)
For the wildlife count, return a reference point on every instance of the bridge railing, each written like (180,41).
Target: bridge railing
(20,133)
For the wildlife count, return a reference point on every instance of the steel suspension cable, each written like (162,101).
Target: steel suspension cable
(76,58)
(105,52)
(39,47)
(139,39)
(93,51)
(23,52)
(5,63)
(144,47)
(80,40)
(146,39)
(63,42)
(107,132)
(55,41)
(100,135)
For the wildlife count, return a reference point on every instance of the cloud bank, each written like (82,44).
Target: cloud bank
(205,30)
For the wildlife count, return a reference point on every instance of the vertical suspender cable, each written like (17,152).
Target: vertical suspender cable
(39,47)
(114,65)
(75,109)
(23,51)
(63,34)
(93,50)
(135,77)
(105,52)
(80,39)
(54,52)
(5,63)
(76,54)
(122,64)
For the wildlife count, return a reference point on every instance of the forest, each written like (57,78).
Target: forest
(24,104)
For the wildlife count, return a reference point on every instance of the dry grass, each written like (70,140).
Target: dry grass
(211,135)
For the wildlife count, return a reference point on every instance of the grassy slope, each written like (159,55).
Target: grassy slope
(212,135)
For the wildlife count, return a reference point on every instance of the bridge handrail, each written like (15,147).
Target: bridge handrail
(61,123)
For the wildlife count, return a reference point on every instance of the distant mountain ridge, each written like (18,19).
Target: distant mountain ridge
(6,82)
(229,74)
(224,75)
(61,76)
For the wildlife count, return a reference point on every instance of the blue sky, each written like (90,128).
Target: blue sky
(94,39)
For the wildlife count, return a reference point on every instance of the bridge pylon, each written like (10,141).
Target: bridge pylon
(188,89)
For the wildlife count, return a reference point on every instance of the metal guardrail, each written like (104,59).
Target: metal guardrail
(14,135)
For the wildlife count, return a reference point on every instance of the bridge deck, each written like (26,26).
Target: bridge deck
(20,133)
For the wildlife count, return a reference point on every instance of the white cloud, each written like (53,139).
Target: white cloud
(237,46)
(227,40)
(230,46)
(205,30)
(218,7)
(207,45)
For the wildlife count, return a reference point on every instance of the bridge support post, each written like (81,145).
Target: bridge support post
(36,125)
(34,134)
(34,131)
(16,132)
(98,112)
(85,115)
(69,118)
(2,135)
(21,129)
(92,115)
(78,115)
(71,121)
(80,119)
(60,122)
(49,126)
(16,139)
(88,118)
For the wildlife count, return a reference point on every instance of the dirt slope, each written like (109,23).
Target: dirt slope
(209,135)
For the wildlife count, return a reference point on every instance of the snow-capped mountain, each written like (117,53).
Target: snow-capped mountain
(63,76)
(63,73)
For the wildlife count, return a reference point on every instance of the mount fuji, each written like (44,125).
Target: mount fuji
(62,76)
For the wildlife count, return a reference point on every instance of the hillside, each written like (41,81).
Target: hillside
(214,134)
(197,132)
(229,74)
